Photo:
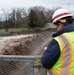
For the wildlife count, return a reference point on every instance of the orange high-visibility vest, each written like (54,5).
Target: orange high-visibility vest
(65,63)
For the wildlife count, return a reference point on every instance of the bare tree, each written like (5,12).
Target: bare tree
(6,16)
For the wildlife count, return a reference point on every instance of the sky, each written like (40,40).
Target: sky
(50,4)
(8,4)
(29,3)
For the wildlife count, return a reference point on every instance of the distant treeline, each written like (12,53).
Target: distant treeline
(34,17)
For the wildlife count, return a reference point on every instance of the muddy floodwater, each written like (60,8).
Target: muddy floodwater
(24,44)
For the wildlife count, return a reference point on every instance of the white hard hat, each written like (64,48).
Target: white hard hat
(60,13)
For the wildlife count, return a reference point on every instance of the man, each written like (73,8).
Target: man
(58,58)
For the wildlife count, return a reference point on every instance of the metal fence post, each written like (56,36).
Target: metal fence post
(32,67)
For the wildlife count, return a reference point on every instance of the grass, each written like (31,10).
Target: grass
(2,30)
(18,29)
(14,30)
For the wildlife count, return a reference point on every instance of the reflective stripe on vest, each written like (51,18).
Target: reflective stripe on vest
(66,56)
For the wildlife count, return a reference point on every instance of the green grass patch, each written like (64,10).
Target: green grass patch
(18,29)
(14,30)
(2,30)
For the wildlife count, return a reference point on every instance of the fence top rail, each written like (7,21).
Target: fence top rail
(22,57)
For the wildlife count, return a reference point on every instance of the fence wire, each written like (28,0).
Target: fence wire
(16,65)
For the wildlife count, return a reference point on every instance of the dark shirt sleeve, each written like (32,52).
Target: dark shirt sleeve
(51,55)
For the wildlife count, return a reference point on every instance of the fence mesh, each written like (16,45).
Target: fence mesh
(15,68)
(28,67)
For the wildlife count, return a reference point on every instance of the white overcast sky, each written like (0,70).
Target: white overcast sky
(7,4)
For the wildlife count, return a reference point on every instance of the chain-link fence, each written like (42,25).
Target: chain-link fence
(21,65)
